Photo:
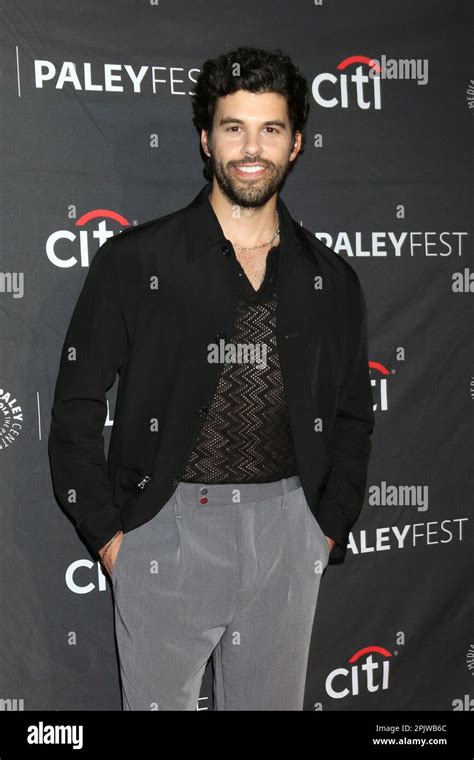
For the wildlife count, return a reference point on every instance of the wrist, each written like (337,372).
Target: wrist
(107,546)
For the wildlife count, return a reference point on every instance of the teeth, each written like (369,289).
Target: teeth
(251,169)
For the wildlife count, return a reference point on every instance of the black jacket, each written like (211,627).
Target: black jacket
(154,297)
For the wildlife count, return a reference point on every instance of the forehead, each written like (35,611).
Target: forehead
(252,106)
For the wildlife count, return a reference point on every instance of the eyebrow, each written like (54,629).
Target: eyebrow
(272,122)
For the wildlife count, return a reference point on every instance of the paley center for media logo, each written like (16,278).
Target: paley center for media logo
(11,418)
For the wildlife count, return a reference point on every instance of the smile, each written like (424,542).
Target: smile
(253,170)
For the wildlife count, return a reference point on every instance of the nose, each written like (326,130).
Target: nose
(251,145)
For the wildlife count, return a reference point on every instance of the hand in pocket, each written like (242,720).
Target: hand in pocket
(110,556)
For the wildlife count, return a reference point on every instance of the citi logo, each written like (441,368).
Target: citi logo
(84,576)
(379,384)
(66,248)
(350,88)
(368,672)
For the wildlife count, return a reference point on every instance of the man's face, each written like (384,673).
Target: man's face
(251,146)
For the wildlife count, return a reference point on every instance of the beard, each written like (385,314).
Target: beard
(246,193)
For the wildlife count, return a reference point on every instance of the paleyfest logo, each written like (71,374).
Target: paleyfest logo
(65,248)
(362,87)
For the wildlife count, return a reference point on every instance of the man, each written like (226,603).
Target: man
(238,457)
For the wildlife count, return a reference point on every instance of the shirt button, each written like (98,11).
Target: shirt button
(220,336)
(175,481)
(225,250)
(203,411)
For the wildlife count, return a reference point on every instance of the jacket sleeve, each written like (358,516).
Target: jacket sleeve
(349,439)
(94,349)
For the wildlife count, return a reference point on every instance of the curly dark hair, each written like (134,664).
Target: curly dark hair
(259,71)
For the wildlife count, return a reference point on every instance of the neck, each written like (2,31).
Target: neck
(253,225)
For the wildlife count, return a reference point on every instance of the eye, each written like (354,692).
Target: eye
(273,130)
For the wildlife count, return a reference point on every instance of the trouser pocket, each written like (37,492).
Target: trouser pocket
(322,538)
(118,556)
(315,533)
(150,552)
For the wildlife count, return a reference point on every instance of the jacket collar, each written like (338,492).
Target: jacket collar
(203,230)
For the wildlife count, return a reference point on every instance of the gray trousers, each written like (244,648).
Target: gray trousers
(230,572)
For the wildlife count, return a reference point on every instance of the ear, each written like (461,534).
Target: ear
(297,142)
(205,140)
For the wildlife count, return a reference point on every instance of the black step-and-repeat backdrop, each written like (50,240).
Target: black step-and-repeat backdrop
(96,135)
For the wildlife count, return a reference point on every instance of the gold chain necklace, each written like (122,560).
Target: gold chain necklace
(253,247)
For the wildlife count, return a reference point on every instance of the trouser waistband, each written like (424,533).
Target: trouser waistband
(223,494)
